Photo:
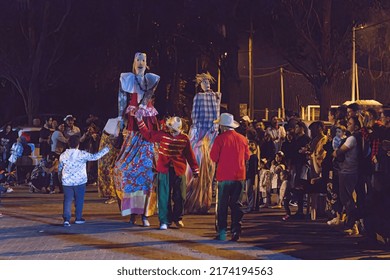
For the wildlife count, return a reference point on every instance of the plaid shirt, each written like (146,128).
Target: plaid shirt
(205,110)
(373,141)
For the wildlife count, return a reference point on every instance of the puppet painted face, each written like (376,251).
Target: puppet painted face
(205,85)
(139,65)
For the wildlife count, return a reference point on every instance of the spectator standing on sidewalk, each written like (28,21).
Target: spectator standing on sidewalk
(73,172)
(348,173)
(230,151)
(71,128)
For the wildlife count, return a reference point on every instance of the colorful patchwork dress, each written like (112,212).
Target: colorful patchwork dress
(134,174)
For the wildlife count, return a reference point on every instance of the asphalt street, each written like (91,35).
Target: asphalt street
(31,229)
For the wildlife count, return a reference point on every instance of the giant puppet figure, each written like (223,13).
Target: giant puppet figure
(205,111)
(133,173)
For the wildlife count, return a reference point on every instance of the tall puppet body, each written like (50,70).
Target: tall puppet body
(133,171)
(205,110)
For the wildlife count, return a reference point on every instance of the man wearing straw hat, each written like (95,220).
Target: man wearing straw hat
(230,151)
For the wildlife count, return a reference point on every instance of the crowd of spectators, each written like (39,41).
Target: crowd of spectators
(345,159)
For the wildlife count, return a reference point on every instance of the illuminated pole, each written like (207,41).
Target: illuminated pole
(219,75)
(353,63)
(251,84)
(357,81)
(282,91)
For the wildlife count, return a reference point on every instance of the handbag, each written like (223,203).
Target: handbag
(112,127)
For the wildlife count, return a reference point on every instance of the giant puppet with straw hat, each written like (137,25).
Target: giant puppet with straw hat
(203,131)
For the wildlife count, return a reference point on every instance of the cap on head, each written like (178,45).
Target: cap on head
(69,117)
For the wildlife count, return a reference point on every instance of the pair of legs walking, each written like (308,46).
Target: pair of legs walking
(229,196)
(171,189)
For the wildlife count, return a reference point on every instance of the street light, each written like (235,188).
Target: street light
(355,85)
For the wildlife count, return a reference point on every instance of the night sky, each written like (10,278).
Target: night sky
(69,54)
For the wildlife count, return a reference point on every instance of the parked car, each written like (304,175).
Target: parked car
(26,164)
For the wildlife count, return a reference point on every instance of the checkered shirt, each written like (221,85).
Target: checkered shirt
(205,110)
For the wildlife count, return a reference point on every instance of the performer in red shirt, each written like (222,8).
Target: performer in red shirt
(230,151)
(173,154)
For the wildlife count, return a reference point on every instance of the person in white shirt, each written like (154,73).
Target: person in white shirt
(71,128)
(72,170)
(277,133)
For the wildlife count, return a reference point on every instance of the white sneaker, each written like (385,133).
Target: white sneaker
(10,190)
(66,224)
(145,223)
(163,226)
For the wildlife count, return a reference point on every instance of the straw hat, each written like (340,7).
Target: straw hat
(227,119)
(174,123)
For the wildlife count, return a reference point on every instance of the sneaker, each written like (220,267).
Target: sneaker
(145,223)
(10,190)
(333,222)
(221,235)
(79,222)
(179,224)
(110,201)
(235,236)
(291,203)
(285,218)
(52,192)
(66,224)
(163,226)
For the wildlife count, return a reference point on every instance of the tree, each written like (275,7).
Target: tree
(28,56)
(315,38)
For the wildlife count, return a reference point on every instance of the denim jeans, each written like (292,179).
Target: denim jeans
(77,193)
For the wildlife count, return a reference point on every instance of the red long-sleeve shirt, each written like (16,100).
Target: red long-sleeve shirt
(230,151)
(175,150)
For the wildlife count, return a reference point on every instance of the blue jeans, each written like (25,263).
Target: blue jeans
(77,193)
(2,190)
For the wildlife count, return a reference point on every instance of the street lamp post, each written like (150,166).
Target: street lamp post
(353,63)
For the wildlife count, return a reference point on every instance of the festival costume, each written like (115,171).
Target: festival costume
(206,109)
(106,186)
(133,170)
(173,154)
